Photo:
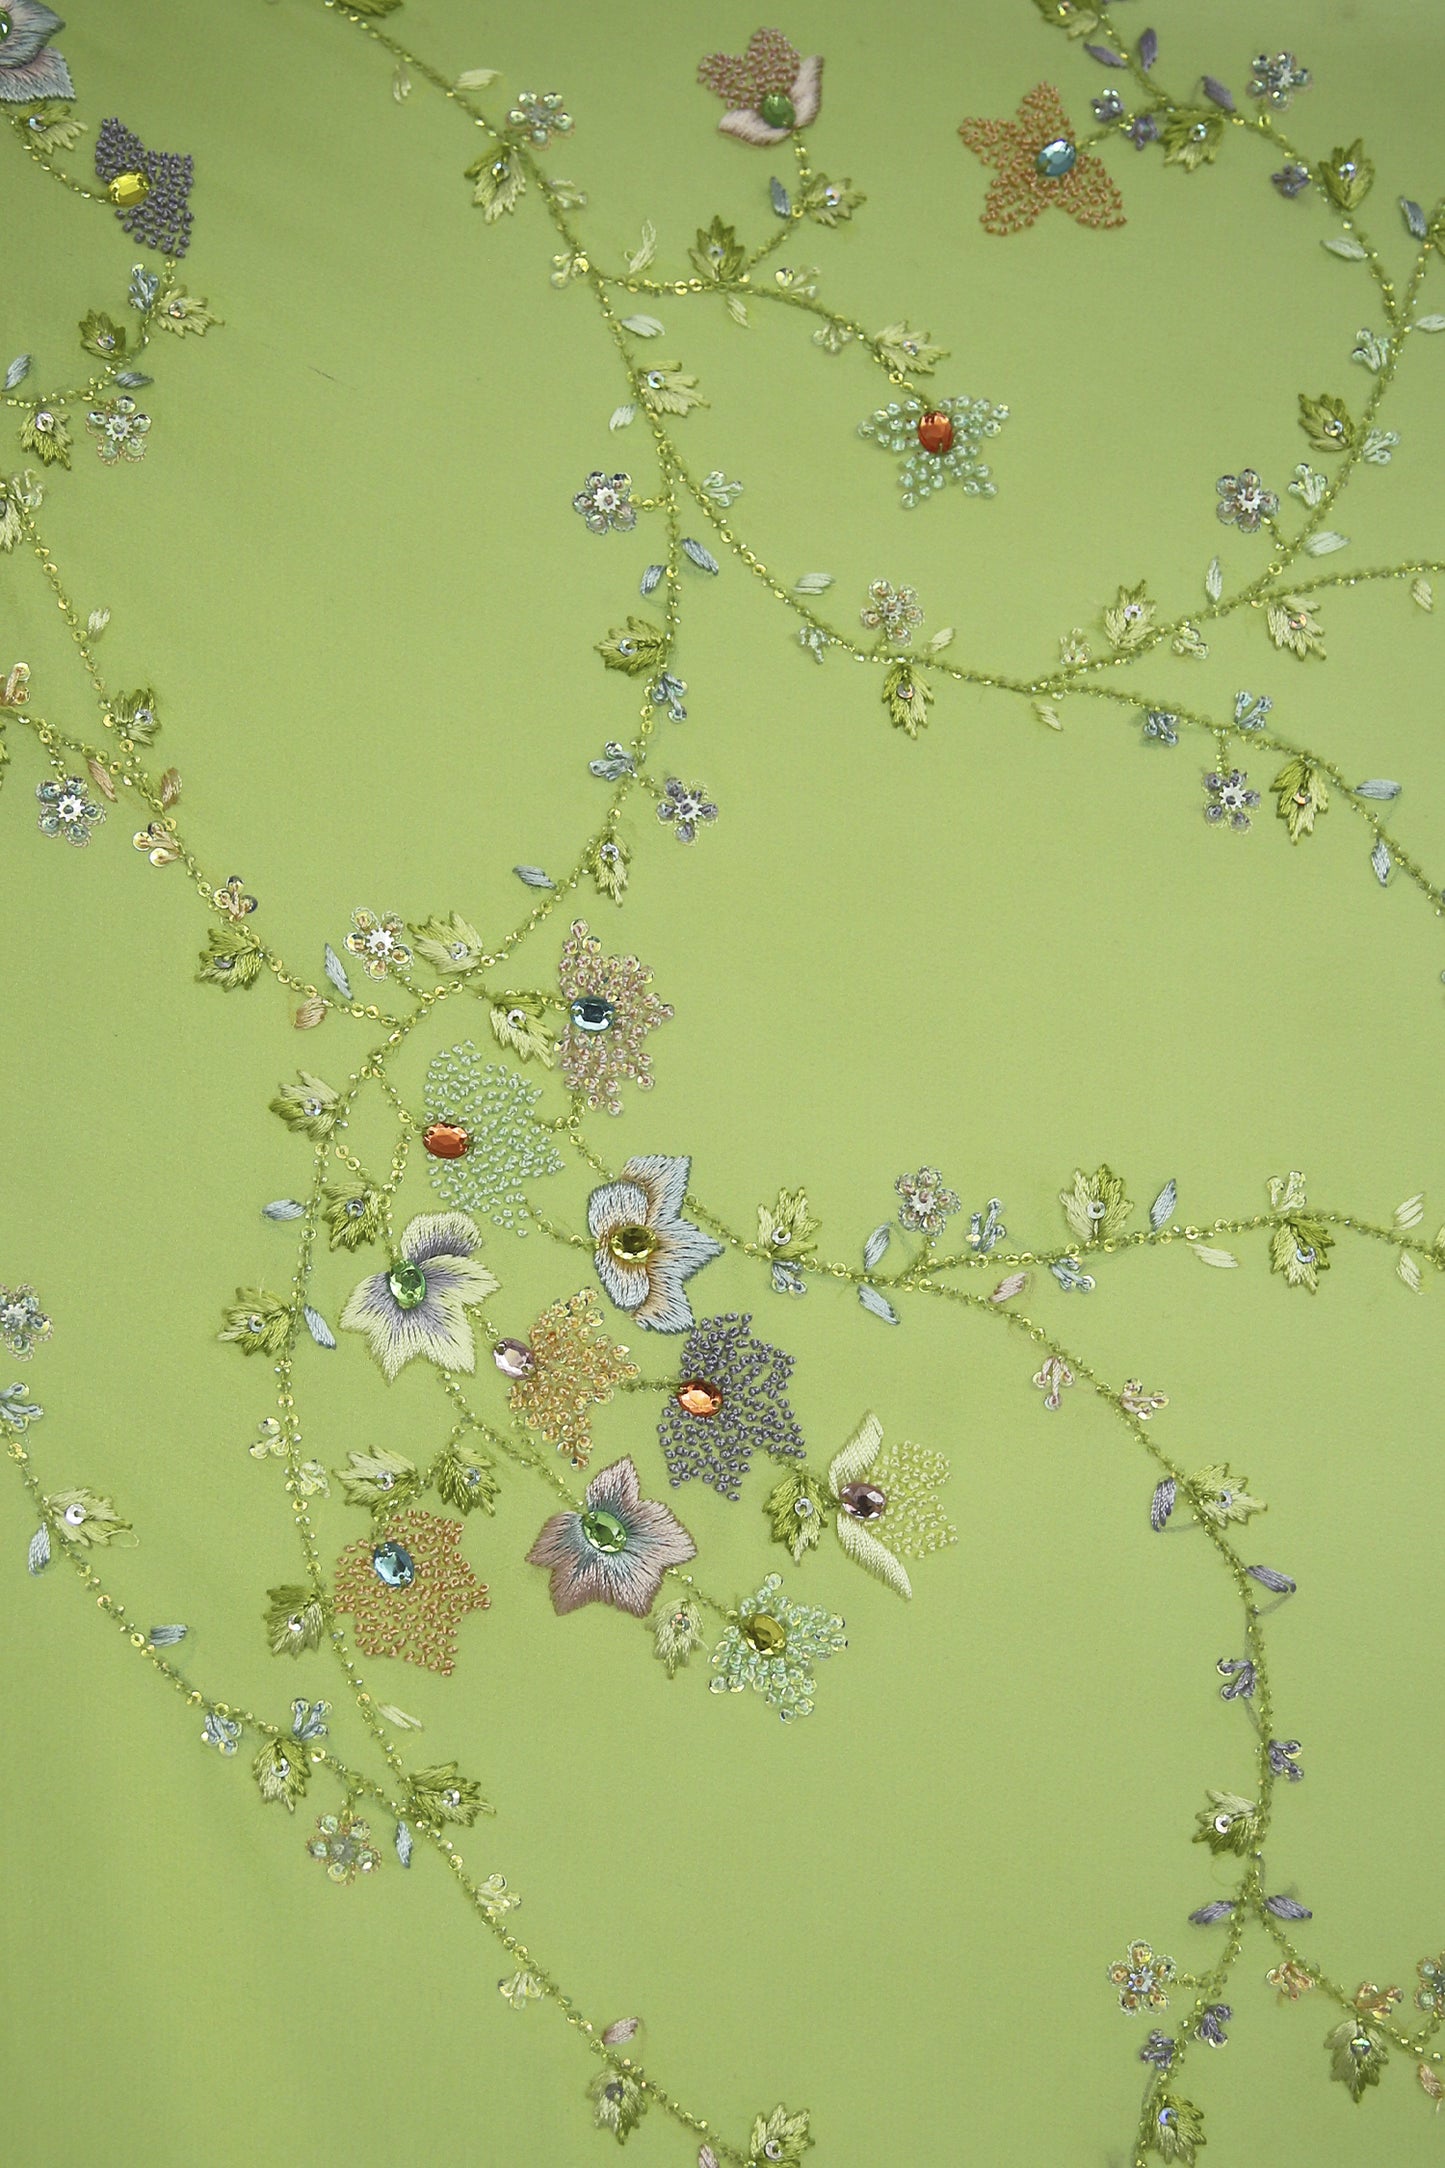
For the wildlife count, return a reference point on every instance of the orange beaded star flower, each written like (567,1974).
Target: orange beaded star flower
(408,1588)
(575,1368)
(1039,166)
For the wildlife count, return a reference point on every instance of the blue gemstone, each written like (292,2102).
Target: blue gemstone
(1057,158)
(392,1563)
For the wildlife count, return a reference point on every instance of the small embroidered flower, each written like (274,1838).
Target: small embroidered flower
(309,1105)
(408,1588)
(645,1248)
(220,1731)
(1142,131)
(907,697)
(98,335)
(615,1550)
(378,942)
(1158,2049)
(539,118)
(1327,422)
(1162,726)
(1290,1980)
(1291,180)
(1213,2019)
(44,432)
(1130,620)
(181,312)
(1244,501)
(1275,77)
(772,1647)
(1430,1994)
(418,1305)
(937,441)
(16,1410)
(927,1204)
(605,503)
(611,1009)
(1192,139)
(666,691)
(887,1508)
(786,1231)
(232,901)
(1230,799)
(119,429)
(27,69)
(150,189)
(257,1322)
(1228,1823)
(343,1843)
(770,90)
(1283,1762)
(67,811)
(1038,167)
(568,1367)
(893,611)
(1358,2055)
(1109,107)
(23,1324)
(1053,1380)
(686,805)
(1142,1978)
(520,1989)
(731,1403)
(1239,1675)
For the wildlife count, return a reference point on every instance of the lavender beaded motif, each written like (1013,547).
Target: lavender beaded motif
(752,1379)
(162,218)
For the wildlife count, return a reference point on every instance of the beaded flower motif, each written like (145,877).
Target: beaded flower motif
(770,89)
(927,1201)
(1142,1978)
(605,503)
(67,809)
(645,1248)
(418,1305)
(378,942)
(892,611)
(610,1011)
(936,441)
(150,189)
(615,1550)
(482,1141)
(409,1590)
(343,1842)
(27,69)
(1244,501)
(887,1509)
(575,1368)
(120,430)
(686,805)
(731,1402)
(1038,168)
(772,1647)
(1230,799)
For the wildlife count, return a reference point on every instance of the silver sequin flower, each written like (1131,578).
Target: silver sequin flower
(927,1202)
(540,118)
(119,429)
(686,805)
(1275,77)
(1244,501)
(893,611)
(605,503)
(66,810)
(1230,799)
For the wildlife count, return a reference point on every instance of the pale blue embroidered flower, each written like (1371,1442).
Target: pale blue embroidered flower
(16,1410)
(645,1248)
(23,1324)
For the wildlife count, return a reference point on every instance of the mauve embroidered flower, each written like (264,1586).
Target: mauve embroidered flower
(27,70)
(616,1549)
(770,90)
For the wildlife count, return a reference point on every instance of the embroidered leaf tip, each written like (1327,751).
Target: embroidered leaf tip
(1162,1504)
(1161,1211)
(878,1304)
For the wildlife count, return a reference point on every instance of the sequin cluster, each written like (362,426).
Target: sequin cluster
(409,1592)
(504,1148)
(748,1381)
(611,1010)
(576,1368)
(160,216)
(1038,167)
(909,427)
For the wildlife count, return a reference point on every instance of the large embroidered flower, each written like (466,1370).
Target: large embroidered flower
(886,1503)
(568,1367)
(23,1324)
(770,89)
(772,1648)
(616,1550)
(611,1010)
(408,1587)
(645,1248)
(732,1400)
(27,70)
(1038,167)
(418,1305)
(66,809)
(150,189)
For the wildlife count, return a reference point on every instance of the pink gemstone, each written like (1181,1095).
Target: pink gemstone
(514,1358)
(864,1501)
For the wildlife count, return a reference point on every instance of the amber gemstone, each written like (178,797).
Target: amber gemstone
(935,433)
(863,1501)
(696,1397)
(447,1140)
(127,189)
(763,1633)
(632,1245)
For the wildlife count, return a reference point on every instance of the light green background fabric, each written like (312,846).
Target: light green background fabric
(350,566)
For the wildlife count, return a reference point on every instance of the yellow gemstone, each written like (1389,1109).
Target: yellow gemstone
(632,1245)
(764,1634)
(127,189)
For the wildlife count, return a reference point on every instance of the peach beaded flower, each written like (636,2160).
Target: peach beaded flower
(1039,167)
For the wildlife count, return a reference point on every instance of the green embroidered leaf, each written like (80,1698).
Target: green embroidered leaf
(795,1509)
(779,2140)
(135,715)
(787,1230)
(282,1772)
(465,1477)
(1228,1823)
(501,184)
(1299,1248)
(1358,2055)
(382,1478)
(1068,15)
(1220,1498)
(637,647)
(1130,622)
(667,389)
(98,335)
(1096,1207)
(309,1105)
(440,1795)
(1294,625)
(449,944)
(1176,2129)
(618,2102)
(1347,176)
(45,433)
(1192,138)
(295,1618)
(911,352)
(181,312)
(1301,792)
(82,1517)
(353,1214)
(516,1023)
(230,959)
(48,125)
(1326,422)
(907,698)
(258,1322)
(607,862)
(677,1631)
(719,255)
(826,202)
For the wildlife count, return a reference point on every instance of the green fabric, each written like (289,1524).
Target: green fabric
(350,567)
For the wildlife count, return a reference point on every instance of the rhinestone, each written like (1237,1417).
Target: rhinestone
(1056,159)
(446,1140)
(407,1284)
(604,1531)
(591,1013)
(778,110)
(632,1245)
(863,1501)
(935,432)
(128,189)
(393,1564)
(763,1633)
(514,1358)
(696,1397)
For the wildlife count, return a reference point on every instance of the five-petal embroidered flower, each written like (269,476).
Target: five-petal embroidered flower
(893,611)
(343,1842)
(610,1011)
(67,810)
(378,942)
(1230,799)
(605,502)
(770,89)
(927,1203)
(120,430)
(1038,167)
(408,1587)
(1142,1978)
(731,1401)
(772,1647)
(686,804)
(615,1549)
(886,1503)
(1244,501)
(150,189)
(23,1324)
(418,1305)
(27,69)
(645,1248)
(539,118)
(1275,77)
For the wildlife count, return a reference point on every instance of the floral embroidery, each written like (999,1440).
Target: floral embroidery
(378,942)
(893,611)
(488,1112)
(1301,791)
(1230,799)
(787,1232)
(27,68)
(686,806)
(520,1989)
(343,1842)
(67,810)
(408,1590)
(119,429)
(886,1504)
(605,502)
(779,2140)
(645,1249)
(666,388)
(1430,1995)
(772,1647)
(1290,1980)
(418,1306)
(539,119)
(1274,78)
(1142,1978)
(309,1105)
(610,1011)
(571,1368)
(615,1550)
(927,1203)
(732,1402)
(770,91)
(352,1216)
(23,1324)
(618,2102)
(1228,1823)
(1178,2129)
(936,441)
(1358,2055)
(1244,501)
(1038,167)
(150,189)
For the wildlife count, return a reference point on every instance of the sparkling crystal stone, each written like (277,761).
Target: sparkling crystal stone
(632,1245)
(591,1013)
(604,1531)
(935,433)
(392,1563)
(127,189)
(777,109)
(514,1358)
(863,1501)
(74,1515)
(446,1140)
(763,1633)
(407,1283)
(1056,159)
(696,1397)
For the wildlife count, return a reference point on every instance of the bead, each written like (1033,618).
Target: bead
(763,1633)
(863,1501)
(777,110)
(632,1245)
(604,1531)
(935,433)
(591,1013)
(447,1140)
(128,189)
(407,1283)
(393,1563)
(514,1358)
(696,1397)
(1056,159)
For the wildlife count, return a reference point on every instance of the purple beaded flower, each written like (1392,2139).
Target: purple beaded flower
(150,189)
(1291,180)
(731,1401)
(27,70)
(1230,799)
(686,807)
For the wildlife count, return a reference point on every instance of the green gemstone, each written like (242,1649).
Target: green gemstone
(777,109)
(407,1284)
(765,1634)
(1056,159)
(604,1531)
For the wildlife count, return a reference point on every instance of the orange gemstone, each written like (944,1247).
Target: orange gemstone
(447,1140)
(935,433)
(697,1397)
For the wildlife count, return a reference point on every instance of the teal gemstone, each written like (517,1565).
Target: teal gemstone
(393,1563)
(407,1284)
(1056,159)
(604,1531)
(777,109)
(591,1013)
